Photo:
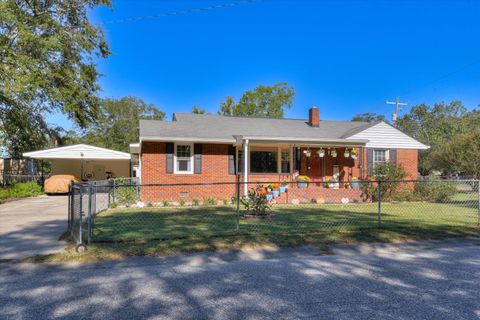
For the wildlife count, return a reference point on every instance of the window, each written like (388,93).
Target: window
(380,156)
(263,162)
(285,161)
(183,158)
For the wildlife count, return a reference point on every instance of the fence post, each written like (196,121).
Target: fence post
(69,205)
(238,204)
(379,204)
(89,217)
(478,193)
(80,240)
(113,193)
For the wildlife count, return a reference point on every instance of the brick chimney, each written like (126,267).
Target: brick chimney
(314,117)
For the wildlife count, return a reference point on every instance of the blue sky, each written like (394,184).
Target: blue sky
(346,57)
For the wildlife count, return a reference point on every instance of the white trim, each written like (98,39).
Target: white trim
(175,169)
(387,155)
(180,139)
(384,136)
(78,151)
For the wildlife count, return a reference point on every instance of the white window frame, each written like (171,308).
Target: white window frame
(387,156)
(175,165)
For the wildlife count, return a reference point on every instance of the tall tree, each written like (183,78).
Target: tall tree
(197,110)
(435,126)
(227,106)
(263,101)
(47,51)
(370,117)
(118,123)
(461,154)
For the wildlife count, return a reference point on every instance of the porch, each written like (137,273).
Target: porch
(330,165)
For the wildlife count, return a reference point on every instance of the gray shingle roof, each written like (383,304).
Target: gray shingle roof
(215,127)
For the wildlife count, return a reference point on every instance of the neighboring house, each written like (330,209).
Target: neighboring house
(210,148)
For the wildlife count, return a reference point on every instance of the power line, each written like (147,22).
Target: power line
(397,103)
(181,12)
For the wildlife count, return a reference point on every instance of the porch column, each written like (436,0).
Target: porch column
(245,167)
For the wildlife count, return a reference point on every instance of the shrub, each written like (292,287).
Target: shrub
(181,202)
(208,201)
(195,202)
(225,202)
(21,190)
(256,203)
(384,173)
(149,204)
(125,192)
(435,190)
(113,205)
(166,203)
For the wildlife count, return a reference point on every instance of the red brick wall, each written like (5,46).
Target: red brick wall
(408,159)
(215,169)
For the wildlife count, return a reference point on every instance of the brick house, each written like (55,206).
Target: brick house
(196,148)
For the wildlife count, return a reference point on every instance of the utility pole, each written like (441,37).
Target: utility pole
(397,103)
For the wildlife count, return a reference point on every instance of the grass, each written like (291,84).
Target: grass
(20,190)
(163,231)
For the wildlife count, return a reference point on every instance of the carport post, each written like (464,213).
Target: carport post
(238,203)
(89,217)
(80,240)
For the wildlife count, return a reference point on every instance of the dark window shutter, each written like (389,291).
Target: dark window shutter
(231,160)
(393,155)
(297,159)
(197,158)
(169,154)
(369,162)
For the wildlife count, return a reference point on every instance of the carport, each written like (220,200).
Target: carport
(85,161)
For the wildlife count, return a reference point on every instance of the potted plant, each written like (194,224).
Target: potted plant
(276,190)
(302,181)
(283,186)
(321,152)
(354,183)
(333,153)
(331,183)
(346,153)
(354,154)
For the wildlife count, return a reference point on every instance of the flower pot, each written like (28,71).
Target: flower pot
(276,193)
(353,156)
(283,189)
(302,184)
(269,197)
(355,185)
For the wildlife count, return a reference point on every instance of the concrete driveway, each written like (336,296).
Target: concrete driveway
(32,226)
(431,280)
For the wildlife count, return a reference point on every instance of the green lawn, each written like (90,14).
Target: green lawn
(206,222)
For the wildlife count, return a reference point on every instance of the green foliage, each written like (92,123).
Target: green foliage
(208,201)
(166,203)
(113,205)
(181,202)
(369,117)
(435,190)
(195,202)
(263,101)
(125,194)
(197,110)
(47,63)
(20,190)
(256,203)
(149,204)
(462,154)
(117,124)
(384,173)
(435,126)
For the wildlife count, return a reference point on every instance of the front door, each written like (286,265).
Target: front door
(313,165)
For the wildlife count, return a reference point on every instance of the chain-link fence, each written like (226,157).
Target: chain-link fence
(124,211)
